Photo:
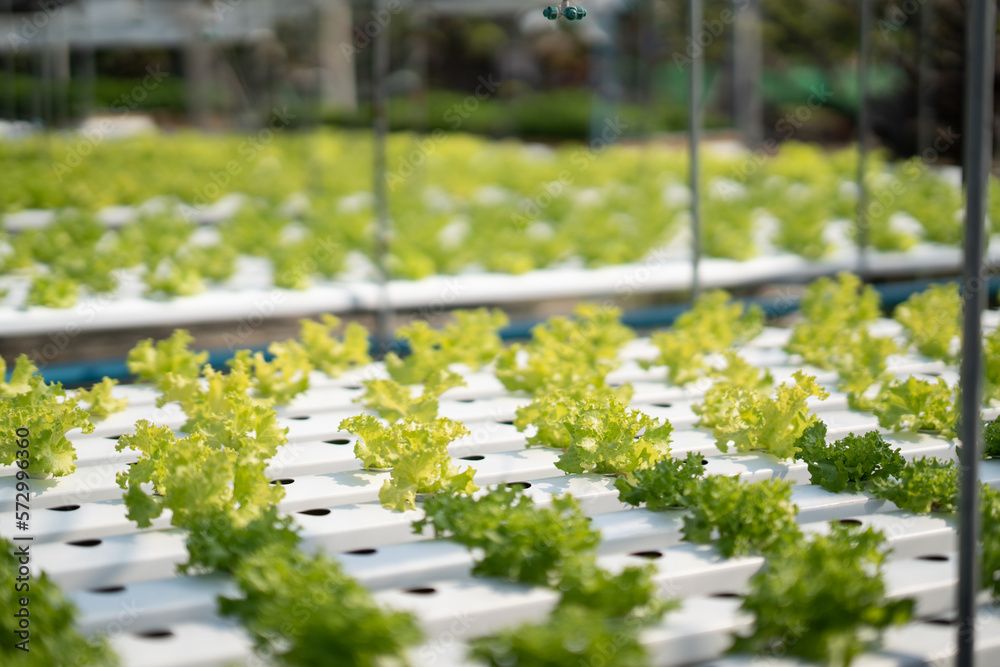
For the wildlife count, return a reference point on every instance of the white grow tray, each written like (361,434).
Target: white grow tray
(126,582)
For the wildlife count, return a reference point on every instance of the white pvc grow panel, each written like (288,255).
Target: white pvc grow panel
(124,579)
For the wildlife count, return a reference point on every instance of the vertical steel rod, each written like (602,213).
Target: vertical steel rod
(695,16)
(864,129)
(380,121)
(747,66)
(980,54)
(11,109)
(925,79)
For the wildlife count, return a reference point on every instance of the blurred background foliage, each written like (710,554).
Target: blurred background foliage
(549,88)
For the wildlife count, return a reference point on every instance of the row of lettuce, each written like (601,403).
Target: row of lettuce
(299,606)
(457,204)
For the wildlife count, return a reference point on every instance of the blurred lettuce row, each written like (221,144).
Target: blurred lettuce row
(458,203)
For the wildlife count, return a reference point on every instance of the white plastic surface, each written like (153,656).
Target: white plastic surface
(334,502)
(233,304)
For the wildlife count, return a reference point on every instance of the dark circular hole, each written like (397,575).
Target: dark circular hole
(85,543)
(726,594)
(421,591)
(508,423)
(300,418)
(285,481)
(940,621)
(849,522)
(523,485)
(319,512)
(156,634)
(363,552)
(112,437)
(465,400)
(474,457)
(940,558)
(354,387)
(108,589)
(704,462)
(662,405)
(64,508)
(650,555)
(338,441)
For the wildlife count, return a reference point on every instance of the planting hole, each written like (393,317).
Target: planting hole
(421,591)
(523,485)
(849,522)
(108,589)
(85,543)
(353,387)
(319,512)
(662,405)
(649,555)
(64,508)
(285,481)
(508,423)
(941,621)
(726,594)
(112,437)
(338,441)
(465,400)
(940,558)
(363,552)
(704,462)
(474,457)
(300,418)
(156,634)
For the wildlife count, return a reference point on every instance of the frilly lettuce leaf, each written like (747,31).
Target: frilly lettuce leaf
(751,420)
(916,404)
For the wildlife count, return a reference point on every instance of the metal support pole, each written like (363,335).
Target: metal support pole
(980,55)
(604,85)
(695,16)
(925,79)
(747,66)
(864,129)
(380,121)
(10,110)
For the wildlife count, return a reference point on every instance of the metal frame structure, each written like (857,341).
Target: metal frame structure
(978,151)
(978,132)
(695,21)
(980,58)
